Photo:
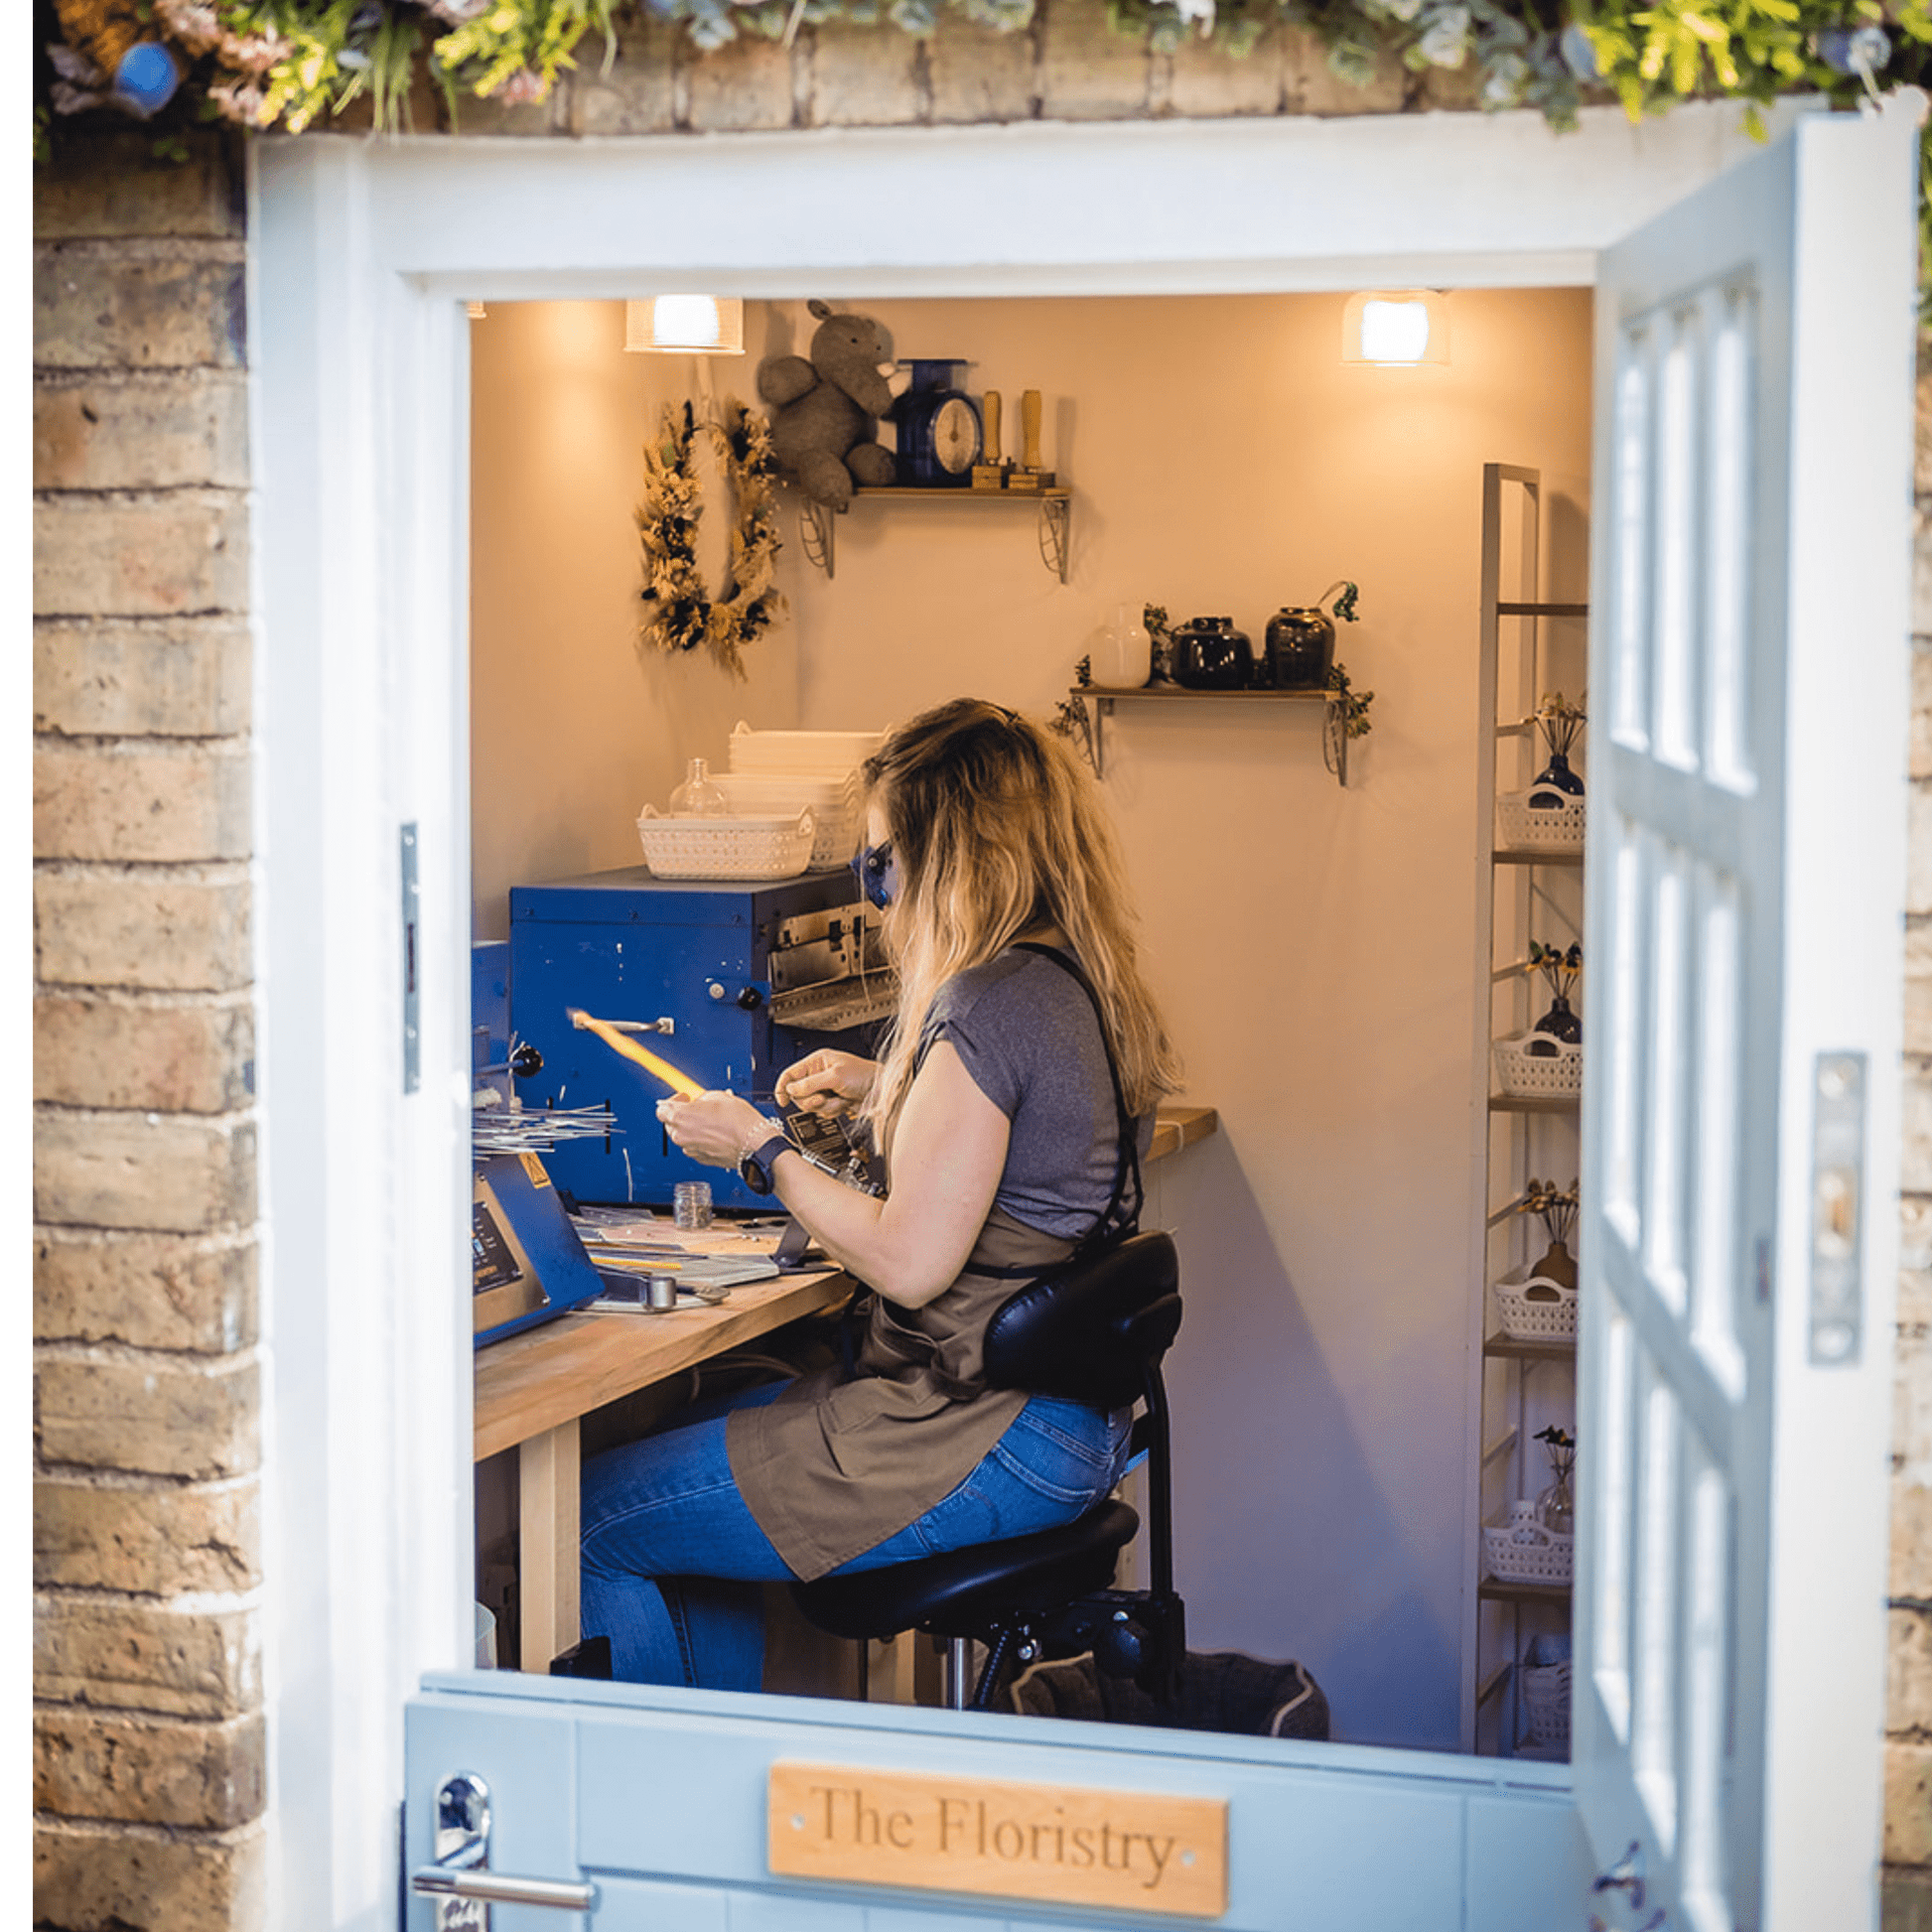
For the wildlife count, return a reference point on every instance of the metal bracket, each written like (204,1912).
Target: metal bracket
(412,996)
(1836,1316)
(1055,524)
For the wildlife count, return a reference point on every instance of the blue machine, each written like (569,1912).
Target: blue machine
(729,983)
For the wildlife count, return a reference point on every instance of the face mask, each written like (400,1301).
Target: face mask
(878,874)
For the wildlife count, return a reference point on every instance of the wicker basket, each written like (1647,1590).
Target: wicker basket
(1546,1703)
(1528,1069)
(726,848)
(1558,828)
(1522,1551)
(1533,1308)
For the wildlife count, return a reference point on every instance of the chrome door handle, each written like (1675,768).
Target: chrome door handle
(461,1878)
(497,1888)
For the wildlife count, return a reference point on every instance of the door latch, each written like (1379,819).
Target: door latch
(460,1880)
(1837,1306)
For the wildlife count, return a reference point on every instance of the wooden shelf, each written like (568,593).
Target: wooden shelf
(1532,855)
(1542,610)
(1104,697)
(1525,1103)
(1555,1595)
(1171,693)
(817,521)
(1529,1351)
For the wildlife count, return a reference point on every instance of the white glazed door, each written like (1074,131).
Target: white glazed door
(1746,882)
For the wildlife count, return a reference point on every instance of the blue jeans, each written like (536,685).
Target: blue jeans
(674,1562)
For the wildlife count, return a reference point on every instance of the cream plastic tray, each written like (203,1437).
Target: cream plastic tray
(726,848)
(832,801)
(808,752)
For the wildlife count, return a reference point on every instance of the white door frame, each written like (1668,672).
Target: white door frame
(360,252)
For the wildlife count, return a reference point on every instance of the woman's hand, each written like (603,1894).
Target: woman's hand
(827,1082)
(714,1128)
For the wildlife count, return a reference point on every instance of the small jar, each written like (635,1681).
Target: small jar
(697,796)
(691,1203)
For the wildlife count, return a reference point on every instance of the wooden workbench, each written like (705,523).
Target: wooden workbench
(534,1388)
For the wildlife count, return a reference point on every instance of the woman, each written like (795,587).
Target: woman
(997,1114)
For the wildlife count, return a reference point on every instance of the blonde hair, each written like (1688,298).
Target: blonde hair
(998,829)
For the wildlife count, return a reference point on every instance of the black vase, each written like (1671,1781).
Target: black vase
(1556,777)
(1209,655)
(1562,1022)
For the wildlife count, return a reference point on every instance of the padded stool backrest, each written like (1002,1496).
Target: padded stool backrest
(1094,1333)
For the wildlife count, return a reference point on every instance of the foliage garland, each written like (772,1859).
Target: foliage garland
(679,611)
(289,64)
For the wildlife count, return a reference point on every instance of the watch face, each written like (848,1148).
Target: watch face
(956,435)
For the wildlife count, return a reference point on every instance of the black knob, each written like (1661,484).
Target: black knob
(749,998)
(525,1061)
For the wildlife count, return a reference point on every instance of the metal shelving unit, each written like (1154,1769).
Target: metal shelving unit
(1053,528)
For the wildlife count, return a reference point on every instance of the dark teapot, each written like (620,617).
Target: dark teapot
(1300,644)
(1209,655)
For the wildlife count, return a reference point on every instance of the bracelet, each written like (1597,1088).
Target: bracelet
(767,1130)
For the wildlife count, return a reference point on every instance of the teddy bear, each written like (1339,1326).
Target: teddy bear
(825,409)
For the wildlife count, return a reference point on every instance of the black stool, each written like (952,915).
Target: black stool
(1095,1335)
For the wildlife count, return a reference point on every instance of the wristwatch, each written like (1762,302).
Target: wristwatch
(754,1166)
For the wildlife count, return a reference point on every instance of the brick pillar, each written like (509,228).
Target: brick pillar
(149,1760)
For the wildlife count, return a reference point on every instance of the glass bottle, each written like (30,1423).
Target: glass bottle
(1556,1508)
(697,796)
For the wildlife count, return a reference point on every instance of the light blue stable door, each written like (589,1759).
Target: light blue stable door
(657,1799)
(1740,1132)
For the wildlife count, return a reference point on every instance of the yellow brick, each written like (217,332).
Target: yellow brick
(141,432)
(863,76)
(108,306)
(173,1174)
(1087,72)
(107,185)
(155,556)
(148,1538)
(168,1054)
(155,677)
(194,1416)
(151,1291)
(638,95)
(978,73)
(1908,1803)
(167,802)
(147,1770)
(102,1878)
(162,930)
(737,87)
(134,1654)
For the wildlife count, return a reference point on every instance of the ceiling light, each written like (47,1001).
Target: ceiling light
(685,324)
(1407,326)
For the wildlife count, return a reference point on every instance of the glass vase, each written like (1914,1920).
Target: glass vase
(697,796)
(1558,1265)
(1126,652)
(1562,1022)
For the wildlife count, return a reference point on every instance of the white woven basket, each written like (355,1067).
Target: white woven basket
(832,801)
(1527,1074)
(726,848)
(1533,1308)
(1546,1702)
(1522,1551)
(1556,828)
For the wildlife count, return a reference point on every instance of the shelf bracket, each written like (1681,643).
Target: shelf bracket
(815,536)
(1055,524)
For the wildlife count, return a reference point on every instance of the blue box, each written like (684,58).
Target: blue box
(626,945)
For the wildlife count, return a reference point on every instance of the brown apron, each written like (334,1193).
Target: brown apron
(834,1466)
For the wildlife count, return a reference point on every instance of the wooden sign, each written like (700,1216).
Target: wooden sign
(1126,1851)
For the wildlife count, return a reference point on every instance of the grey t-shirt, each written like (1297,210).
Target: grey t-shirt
(1027,1033)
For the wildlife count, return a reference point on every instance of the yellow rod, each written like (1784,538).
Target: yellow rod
(628,1048)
